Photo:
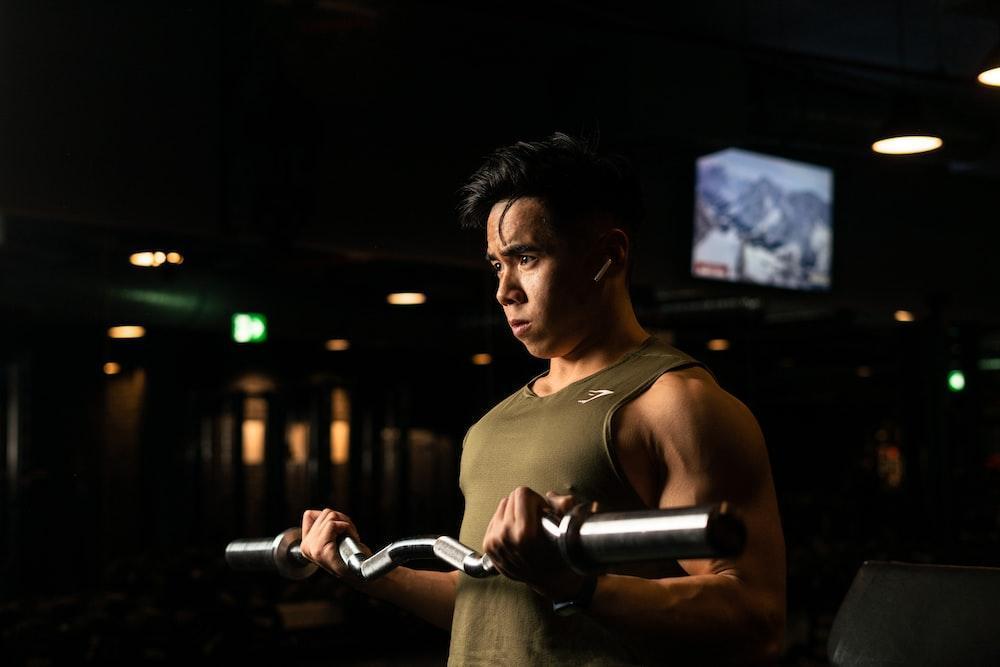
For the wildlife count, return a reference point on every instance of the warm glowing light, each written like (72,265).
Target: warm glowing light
(956,381)
(141,259)
(338,344)
(340,427)
(890,464)
(990,77)
(340,441)
(482,359)
(254,427)
(154,258)
(406,298)
(253,442)
(718,345)
(298,441)
(112,368)
(907,145)
(903,316)
(129,331)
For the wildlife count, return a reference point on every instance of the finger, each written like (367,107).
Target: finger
(516,510)
(309,543)
(309,518)
(350,529)
(561,503)
(345,527)
(505,510)
(490,536)
(530,510)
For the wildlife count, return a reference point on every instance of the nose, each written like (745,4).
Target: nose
(509,289)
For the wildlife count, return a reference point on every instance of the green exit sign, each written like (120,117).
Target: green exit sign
(249,327)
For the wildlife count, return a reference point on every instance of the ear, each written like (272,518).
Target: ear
(614,244)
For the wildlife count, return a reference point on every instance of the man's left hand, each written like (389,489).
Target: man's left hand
(517,543)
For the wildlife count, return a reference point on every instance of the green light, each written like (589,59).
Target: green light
(956,381)
(991,364)
(249,327)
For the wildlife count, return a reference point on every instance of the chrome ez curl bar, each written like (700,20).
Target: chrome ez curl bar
(589,542)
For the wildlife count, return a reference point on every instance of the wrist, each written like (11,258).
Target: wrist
(561,586)
(579,600)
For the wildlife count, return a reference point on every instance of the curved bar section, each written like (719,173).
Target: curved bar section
(463,558)
(395,554)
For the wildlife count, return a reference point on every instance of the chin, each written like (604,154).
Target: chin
(540,350)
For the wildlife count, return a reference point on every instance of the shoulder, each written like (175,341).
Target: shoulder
(690,394)
(690,417)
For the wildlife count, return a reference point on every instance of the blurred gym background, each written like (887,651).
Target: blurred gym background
(232,287)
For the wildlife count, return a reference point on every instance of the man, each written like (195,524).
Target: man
(619,418)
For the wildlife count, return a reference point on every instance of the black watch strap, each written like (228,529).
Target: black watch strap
(578,602)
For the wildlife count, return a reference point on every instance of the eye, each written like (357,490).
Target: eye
(496,267)
(525,259)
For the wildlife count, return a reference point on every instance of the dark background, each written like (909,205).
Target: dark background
(304,158)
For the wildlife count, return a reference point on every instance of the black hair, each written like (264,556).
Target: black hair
(575,182)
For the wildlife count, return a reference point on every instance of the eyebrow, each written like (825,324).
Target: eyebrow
(516,249)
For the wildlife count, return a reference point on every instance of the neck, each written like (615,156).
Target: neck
(601,346)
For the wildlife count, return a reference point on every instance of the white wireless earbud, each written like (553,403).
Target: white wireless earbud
(604,269)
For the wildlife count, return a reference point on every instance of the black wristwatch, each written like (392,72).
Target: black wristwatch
(578,602)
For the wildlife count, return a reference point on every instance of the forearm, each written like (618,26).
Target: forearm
(430,595)
(713,616)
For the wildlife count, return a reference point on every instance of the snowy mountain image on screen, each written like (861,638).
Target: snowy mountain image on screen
(763,220)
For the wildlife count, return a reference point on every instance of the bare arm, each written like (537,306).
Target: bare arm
(430,595)
(711,449)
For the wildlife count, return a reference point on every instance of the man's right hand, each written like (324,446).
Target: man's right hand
(321,530)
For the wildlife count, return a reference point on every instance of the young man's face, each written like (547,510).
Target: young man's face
(544,284)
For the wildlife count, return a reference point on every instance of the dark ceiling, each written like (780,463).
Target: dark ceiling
(304,155)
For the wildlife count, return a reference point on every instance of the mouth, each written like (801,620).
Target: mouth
(519,326)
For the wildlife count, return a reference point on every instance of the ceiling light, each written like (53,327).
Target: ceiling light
(990,77)
(406,298)
(154,258)
(903,316)
(482,359)
(989,70)
(128,331)
(908,144)
(141,259)
(907,130)
(718,345)
(338,344)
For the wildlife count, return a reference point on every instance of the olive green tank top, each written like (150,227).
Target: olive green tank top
(560,442)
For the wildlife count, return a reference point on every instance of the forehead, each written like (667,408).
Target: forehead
(520,222)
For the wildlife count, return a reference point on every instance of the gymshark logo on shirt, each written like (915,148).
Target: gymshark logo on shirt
(595,393)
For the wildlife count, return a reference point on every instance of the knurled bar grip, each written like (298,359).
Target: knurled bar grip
(589,543)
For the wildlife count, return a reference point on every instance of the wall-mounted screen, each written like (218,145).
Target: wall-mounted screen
(762,219)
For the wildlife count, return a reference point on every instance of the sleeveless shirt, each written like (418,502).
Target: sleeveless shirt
(560,442)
